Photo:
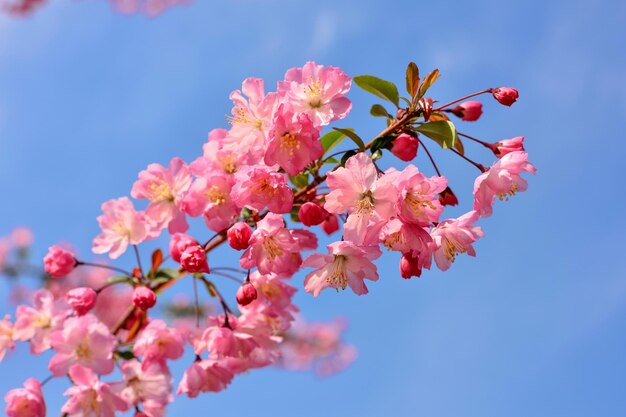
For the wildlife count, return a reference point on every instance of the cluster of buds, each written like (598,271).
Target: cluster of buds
(264,186)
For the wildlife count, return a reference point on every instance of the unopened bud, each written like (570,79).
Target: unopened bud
(311,214)
(405,147)
(507,146)
(193,259)
(144,298)
(246,294)
(505,95)
(330,225)
(179,243)
(59,262)
(469,111)
(239,236)
(410,266)
(81,299)
(448,198)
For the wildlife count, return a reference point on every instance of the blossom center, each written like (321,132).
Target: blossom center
(160,191)
(271,248)
(505,195)
(365,204)
(215,195)
(337,277)
(289,143)
(417,204)
(452,248)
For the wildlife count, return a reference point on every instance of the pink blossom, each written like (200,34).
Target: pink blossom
(293,141)
(405,147)
(149,385)
(193,259)
(317,91)
(89,397)
(448,198)
(312,214)
(222,341)
(246,294)
(469,111)
(59,262)
(507,146)
(210,195)
(346,265)
(82,299)
(85,341)
(22,237)
(239,236)
(330,225)
(454,236)
(217,157)
(27,401)
(405,237)
(419,200)
(179,243)
(204,376)
(157,342)
(358,190)
(502,180)
(506,95)
(411,265)
(35,324)
(258,186)
(144,298)
(6,336)
(165,188)
(272,248)
(121,225)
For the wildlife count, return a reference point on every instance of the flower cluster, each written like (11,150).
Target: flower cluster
(264,186)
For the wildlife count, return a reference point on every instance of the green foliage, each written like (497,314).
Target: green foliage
(379,87)
(443,132)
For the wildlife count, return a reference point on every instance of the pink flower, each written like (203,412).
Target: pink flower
(6,336)
(455,236)
(222,341)
(448,198)
(292,141)
(204,376)
(22,237)
(165,188)
(216,156)
(405,147)
(406,237)
(194,259)
(318,91)
(312,214)
(84,341)
(330,225)
(210,195)
(272,248)
(419,200)
(157,342)
(258,186)
(239,236)
(144,298)
(89,397)
(501,180)
(179,243)
(358,190)
(59,262)
(506,95)
(35,324)
(148,385)
(27,401)
(346,265)
(469,111)
(507,146)
(246,294)
(121,225)
(82,299)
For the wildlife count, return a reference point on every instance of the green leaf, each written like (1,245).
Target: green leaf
(428,82)
(168,273)
(412,79)
(379,87)
(379,111)
(377,154)
(300,180)
(382,143)
(443,132)
(119,278)
(458,145)
(294,214)
(125,354)
(331,139)
(333,161)
(355,138)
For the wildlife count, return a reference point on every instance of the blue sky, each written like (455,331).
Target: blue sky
(534,326)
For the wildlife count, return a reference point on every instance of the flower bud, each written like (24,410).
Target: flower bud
(410,266)
(81,299)
(59,262)
(144,298)
(469,111)
(507,146)
(330,225)
(246,294)
(194,259)
(405,147)
(239,236)
(140,414)
(311,214)
(179,243)
(448,198)
(506,95)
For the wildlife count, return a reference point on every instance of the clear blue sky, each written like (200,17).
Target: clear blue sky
(535,326)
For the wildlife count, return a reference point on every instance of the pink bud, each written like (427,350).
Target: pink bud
(246,294)
(59,262)
(410,266)
(470,111)
(140,414)
(239,235)
(144,298)
(179,243)
(448,198)
(506,95)
(193,259)
(330,225)
(81,299)
(311,214)
(405,147)
(507,146)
